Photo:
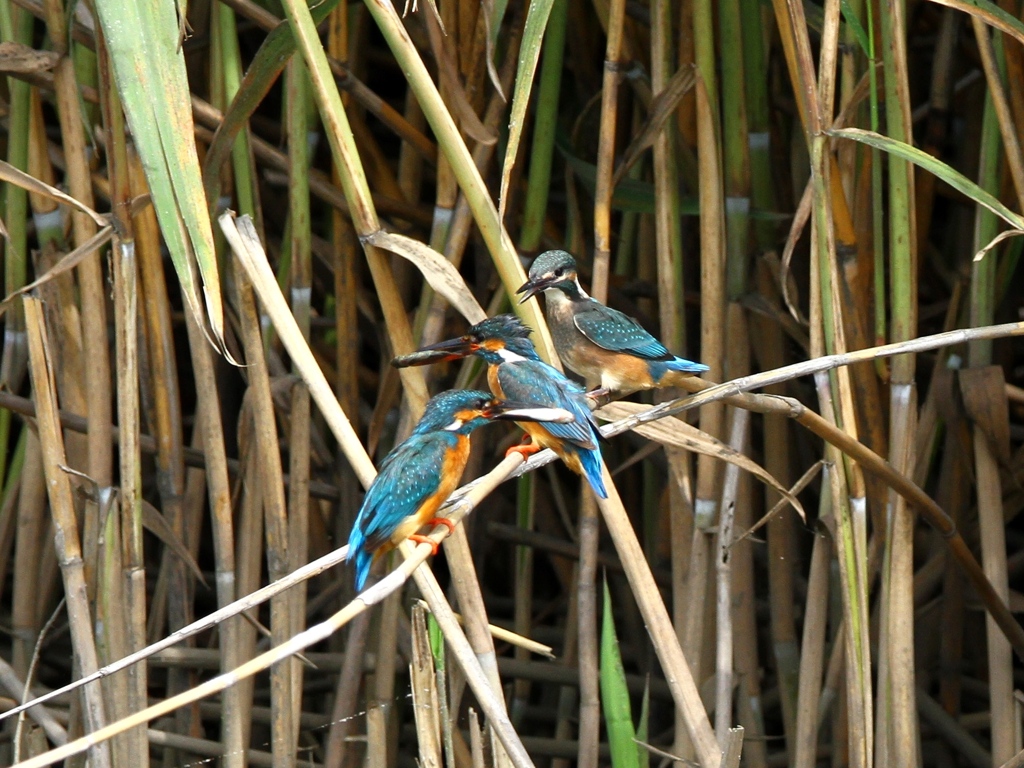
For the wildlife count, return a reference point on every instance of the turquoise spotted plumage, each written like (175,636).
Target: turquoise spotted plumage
(515,372)
(595,340)
(420,473)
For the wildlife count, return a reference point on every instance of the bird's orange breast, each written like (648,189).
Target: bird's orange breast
(451,472)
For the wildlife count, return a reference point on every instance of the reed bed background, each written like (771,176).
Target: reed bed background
(820,201)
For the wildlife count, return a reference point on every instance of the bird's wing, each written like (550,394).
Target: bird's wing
(537,383)
(407,478)
(612,330)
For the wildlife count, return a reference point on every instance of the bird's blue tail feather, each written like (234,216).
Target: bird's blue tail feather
(359,557)
(686,366)
(591,462)
(659,368)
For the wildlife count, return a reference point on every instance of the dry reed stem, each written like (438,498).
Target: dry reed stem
(723,583)
(659,626)
(425,697)
(606,150)
(62,507)
(284,734)
(805,747)
(587,633)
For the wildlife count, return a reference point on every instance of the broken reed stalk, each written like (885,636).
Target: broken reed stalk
(62,507)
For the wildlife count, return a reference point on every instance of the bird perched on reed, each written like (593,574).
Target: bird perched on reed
(516,372)
(418,475)
(597,341)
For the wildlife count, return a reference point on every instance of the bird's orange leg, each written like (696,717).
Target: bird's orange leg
(525,449)
(420,539)
(435,521)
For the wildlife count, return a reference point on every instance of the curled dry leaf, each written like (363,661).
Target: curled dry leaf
(21,179)
(437,270)
(683,435)
(68,262)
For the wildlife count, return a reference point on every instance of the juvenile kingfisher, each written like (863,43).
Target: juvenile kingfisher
(516,372)
(597,341)
(418,475)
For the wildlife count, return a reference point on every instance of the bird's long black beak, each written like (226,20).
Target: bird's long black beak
(532,287)
(510,411)
(453,349)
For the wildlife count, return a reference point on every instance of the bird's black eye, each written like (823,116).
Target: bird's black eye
(560,271)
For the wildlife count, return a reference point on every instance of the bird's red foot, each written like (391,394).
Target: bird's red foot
(420,539)
(434,521)
(600,396)
(525,449)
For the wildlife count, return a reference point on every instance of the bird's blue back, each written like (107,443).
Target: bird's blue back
(408,476)
(537,383)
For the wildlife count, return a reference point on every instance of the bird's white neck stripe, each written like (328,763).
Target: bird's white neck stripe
(455,426)
(583,294)
(508,356)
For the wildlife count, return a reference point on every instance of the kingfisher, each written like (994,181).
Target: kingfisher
(418,475)
(597,341)
(516,372)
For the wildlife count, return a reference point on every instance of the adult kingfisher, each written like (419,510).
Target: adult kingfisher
(597,341)
(516,372)
(418,475)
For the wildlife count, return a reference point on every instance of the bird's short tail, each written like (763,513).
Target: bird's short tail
(669,373)
(360,559)
(591,463)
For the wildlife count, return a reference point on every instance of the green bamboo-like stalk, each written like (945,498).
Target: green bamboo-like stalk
(897,688)
(762,188)
(15,26)
(877,210)
(545,123)
(993,541)
(298,104)
(736,146)
(227,68)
